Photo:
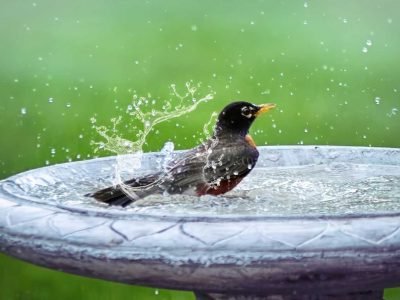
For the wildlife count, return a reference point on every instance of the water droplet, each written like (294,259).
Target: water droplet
(305,4)
(51,100)
(252,23)
(305,130)
(136,62)
(168,148)
(364,50)
(193,27)
(393,112)
(389,20)
(23,110)
(345,21)
(377,100)
(249,166)
(68,105)
(16,80)
(53,151)
(369,43)
(235,173)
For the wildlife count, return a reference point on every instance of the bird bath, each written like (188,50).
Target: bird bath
(309,222)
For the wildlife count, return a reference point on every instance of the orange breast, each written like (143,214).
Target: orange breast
(250,140)
(223,187)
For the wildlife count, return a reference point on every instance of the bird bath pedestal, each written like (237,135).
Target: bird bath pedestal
(349,254)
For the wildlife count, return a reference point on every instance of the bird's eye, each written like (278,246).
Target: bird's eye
(247,112)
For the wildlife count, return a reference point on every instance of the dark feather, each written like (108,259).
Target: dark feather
(114,195)
(210,163)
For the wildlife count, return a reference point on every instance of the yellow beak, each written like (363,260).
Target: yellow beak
(263,108)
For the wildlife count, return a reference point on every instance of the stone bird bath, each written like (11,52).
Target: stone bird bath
(336,248)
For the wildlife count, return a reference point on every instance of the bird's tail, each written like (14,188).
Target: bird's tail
(115,195)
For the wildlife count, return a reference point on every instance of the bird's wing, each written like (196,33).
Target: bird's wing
(233,161)
(210,164)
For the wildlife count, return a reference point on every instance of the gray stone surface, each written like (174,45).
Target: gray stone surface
(244,254)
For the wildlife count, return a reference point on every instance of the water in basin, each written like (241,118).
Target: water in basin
(317,189)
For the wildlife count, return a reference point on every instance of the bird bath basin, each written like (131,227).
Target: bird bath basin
(309,222)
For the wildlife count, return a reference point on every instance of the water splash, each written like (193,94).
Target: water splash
(129,152)
(208,127)
(167,152)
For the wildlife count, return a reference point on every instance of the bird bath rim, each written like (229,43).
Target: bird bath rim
(102,211)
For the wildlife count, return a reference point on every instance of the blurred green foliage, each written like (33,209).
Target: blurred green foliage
(331,66)
(19,280)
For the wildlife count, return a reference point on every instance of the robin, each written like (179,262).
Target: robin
(214,167)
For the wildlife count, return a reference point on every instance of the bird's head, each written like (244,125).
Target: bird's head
(237,117)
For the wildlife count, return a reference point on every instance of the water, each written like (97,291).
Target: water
(146,110)
(336,188)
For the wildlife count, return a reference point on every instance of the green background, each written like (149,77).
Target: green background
(331,66)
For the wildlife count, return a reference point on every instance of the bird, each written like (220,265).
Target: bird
(212,168)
